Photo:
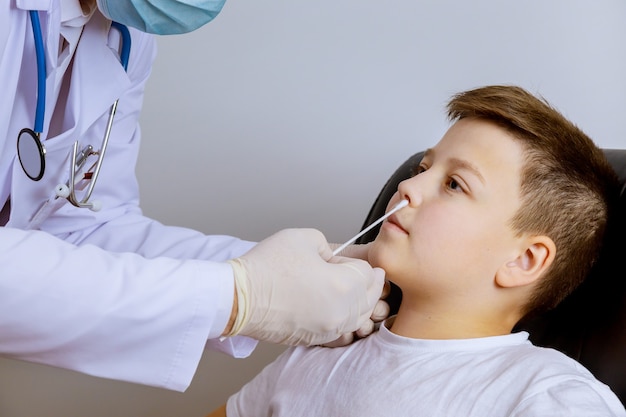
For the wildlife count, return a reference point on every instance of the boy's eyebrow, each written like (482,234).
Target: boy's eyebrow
(459,163)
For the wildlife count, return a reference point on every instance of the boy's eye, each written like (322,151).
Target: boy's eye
(417,170)
(454,185)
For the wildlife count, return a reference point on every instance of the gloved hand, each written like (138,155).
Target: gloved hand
(381,311)
(291,290)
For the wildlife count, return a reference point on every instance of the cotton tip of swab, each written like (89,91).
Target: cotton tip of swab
(401,204)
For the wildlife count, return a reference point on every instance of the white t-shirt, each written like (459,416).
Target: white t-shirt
(389,375)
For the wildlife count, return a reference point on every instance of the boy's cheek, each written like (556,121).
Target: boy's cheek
(374,256)
(382,255)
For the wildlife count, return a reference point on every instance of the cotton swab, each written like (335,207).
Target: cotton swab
(397,207)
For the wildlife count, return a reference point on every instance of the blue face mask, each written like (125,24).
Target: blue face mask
(162,17)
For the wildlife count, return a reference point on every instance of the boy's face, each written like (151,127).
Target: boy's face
(454,234)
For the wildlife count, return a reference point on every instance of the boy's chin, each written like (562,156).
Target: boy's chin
(377,256)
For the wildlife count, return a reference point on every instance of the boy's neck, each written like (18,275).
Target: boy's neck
(427,323)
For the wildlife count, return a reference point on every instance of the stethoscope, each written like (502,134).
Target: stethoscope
(30,149)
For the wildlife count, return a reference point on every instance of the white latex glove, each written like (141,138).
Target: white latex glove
(291,290)
(381,311)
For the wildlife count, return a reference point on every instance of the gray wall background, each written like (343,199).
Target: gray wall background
(293,114)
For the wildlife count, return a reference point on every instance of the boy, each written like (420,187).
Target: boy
(506,216)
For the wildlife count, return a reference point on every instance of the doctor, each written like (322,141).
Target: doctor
(112,293)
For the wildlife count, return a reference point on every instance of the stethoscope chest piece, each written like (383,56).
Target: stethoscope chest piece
(31,153)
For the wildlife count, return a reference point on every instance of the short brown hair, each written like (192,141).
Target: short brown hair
(567,185)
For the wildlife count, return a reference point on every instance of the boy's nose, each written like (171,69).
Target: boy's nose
(411,191)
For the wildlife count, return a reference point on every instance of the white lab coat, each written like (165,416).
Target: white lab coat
(77,289)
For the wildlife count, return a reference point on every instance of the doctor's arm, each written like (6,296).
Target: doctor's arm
(117,316)
(125,317)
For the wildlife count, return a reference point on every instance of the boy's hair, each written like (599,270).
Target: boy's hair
(567,185)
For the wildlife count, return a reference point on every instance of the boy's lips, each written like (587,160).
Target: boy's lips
(393,220)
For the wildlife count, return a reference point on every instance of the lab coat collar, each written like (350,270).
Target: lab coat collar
(100,85)
(72,13)
(71,10)
(64,18)
(34,4)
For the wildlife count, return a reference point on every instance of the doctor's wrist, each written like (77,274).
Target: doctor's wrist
(233,314)
(238,316)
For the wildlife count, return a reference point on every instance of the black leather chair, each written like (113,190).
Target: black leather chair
(590,325)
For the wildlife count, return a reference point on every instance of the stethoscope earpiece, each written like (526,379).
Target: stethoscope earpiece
(62,191)
(96,205)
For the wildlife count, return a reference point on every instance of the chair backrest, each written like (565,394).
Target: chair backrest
(590,325)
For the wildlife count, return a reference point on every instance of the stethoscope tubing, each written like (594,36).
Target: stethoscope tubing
(41,63)
(125,49)
(41,71)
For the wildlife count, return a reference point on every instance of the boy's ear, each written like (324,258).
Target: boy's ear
(529,264)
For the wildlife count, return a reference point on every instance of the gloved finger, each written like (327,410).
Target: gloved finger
(381,311)
(366,329)
(386,290)
(375,288)
(378,286)
(343,340)
(374,296)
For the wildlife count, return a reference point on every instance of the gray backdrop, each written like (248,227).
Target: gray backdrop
(293,114)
